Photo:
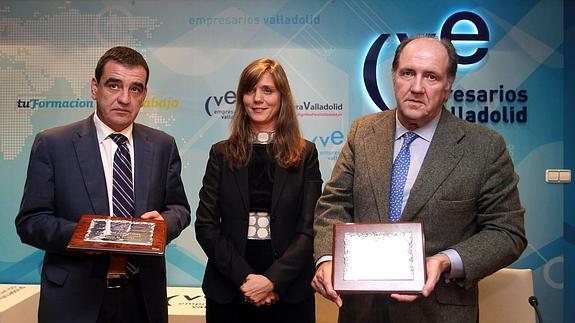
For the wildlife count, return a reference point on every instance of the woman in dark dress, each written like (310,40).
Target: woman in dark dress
(255,216)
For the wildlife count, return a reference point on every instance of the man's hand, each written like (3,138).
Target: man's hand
(322,283)
(152,215)
(436,265)
(258,290)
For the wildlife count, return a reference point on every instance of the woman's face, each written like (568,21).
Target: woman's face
(262,103)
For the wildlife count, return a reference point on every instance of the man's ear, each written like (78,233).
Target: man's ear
(93,87)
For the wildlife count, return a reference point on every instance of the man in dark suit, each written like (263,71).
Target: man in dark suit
(70,174)
(459,181)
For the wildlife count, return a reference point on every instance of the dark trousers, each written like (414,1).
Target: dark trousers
(243,312)
(124,304)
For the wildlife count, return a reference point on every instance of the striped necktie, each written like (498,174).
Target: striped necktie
(399,176)
(122,199)
(123,186)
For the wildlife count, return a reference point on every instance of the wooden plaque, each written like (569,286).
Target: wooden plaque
(379,257)
(96,233)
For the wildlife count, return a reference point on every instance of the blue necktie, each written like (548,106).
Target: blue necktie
(123,187)
(399,176)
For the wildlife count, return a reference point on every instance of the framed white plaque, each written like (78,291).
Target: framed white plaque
(379,257)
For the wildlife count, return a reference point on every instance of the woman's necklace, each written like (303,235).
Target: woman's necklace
(264,137)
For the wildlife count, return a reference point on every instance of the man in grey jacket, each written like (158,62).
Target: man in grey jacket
(458,179)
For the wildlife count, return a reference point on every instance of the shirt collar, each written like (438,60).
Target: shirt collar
(104,131)
(426,132)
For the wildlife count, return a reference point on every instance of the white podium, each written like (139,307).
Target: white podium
(186,305)
(19,303)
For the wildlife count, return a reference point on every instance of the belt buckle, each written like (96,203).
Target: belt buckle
(116,281)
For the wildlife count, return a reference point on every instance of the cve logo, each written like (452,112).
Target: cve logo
(186,298)
(335,138)
(229,98)
(482,35)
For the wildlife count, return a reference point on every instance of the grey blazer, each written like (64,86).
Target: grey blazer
(465,193)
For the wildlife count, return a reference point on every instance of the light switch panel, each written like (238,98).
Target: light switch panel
(558,176)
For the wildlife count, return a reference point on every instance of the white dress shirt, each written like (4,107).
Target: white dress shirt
(418,150)
(108,149)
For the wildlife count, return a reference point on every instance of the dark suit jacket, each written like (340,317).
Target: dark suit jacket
(66,180)
(465,194)
(222,226)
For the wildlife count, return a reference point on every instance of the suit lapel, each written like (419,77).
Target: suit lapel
(143,154)
(443,155)
(280,178)
(241,177)
(90,162)
(379,160)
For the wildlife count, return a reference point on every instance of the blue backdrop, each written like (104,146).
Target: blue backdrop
(337,55)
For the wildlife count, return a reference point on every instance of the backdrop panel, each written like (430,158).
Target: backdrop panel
(337,55)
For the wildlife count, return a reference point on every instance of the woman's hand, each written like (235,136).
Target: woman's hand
(258,290)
